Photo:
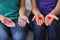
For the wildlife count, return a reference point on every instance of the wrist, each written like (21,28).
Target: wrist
(36,11)
(1,17)
(22,15)
(54,13)
(22,11)
(33,9)
(24,8)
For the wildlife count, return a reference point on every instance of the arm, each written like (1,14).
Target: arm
(23,19)
(22,7)
(52,15)
(38,17)
(34,5)
(56,10)
(35,9)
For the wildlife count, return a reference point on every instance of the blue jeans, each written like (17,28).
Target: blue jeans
(3,32)
(39,32)
(19,33)
(54,30)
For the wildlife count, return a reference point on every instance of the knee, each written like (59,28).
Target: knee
(19,36)
(3,35)
(39,29)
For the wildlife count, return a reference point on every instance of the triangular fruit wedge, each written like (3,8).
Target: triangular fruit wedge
(8,22)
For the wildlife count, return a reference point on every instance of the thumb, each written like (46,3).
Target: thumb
(33,18)
(56,17)
(28,21)
(3,20)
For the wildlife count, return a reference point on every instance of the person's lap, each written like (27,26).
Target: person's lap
(20,33)
(3,32)
(39,33)
(54,30)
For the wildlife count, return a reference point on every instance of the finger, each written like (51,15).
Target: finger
(56,17)
(24,24)
(9,25)
(37,21)
(28,21)
(46,21)
(33,18)
(13,25)
(50,22)
(40,22)
(43,20)
(19,22)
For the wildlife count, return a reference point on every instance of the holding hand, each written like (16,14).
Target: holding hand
(6,21)
(49,19)
(23,19)
(38,17)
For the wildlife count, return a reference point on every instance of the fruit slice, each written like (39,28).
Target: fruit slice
(49,17)
(39,18)
(9,22)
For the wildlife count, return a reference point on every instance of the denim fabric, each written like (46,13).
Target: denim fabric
(39,32)
(54,30)
(19,33)
(3,32)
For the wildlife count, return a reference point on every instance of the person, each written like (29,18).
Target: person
(9,17)
(46,14)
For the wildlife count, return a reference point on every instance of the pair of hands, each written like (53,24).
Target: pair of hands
(9,23)
(47,20)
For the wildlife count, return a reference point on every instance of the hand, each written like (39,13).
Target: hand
(49,19)
(6,21)
(38,17)
(23,20)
